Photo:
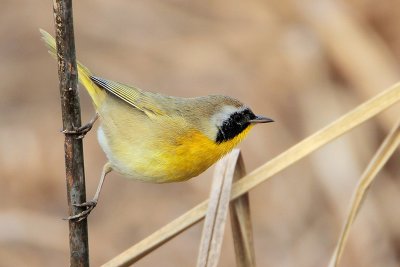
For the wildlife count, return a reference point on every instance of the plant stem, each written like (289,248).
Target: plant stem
(71,116)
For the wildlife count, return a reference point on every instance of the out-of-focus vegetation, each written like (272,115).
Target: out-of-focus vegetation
(303,63)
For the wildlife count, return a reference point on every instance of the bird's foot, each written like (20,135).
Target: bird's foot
(83,130)
(89,205)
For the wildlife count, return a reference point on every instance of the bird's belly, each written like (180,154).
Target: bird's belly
(161,160)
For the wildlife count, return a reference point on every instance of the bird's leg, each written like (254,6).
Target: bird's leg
(90,205)
(83,130)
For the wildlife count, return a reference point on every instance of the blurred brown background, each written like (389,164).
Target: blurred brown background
(303,63)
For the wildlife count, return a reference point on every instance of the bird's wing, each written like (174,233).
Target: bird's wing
(133,96)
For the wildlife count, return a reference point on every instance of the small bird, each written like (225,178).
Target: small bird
(157,138)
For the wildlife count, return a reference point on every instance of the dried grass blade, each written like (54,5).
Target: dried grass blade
(389,145)
(241,224)
(214,226)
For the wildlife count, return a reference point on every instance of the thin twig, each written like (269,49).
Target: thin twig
(71,116)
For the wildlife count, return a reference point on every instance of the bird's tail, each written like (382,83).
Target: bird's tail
(96,93)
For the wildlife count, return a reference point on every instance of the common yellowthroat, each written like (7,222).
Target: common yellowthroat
(157,138)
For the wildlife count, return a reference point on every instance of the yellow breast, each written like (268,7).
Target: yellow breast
(165,159)
(187,157)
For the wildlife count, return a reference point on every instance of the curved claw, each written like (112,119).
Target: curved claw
(89,205)
(80,132)
(83,130)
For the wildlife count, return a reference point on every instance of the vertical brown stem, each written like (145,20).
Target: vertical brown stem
(71,116)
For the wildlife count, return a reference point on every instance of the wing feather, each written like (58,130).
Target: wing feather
(144,101)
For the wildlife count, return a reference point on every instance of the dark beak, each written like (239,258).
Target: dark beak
(261,119)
